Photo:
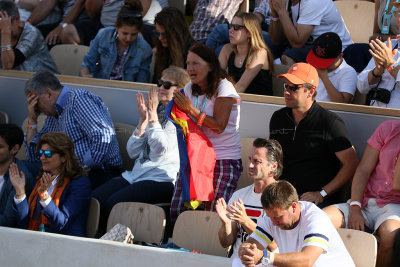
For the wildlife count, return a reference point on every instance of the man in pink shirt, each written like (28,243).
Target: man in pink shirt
(374,202)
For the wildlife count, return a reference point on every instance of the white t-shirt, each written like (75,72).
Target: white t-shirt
(314,229)
(254,210)
(324,15)
(227,144)
(344,79)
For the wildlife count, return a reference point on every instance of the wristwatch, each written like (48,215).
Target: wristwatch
(63,24)
(323,193)
(265,259)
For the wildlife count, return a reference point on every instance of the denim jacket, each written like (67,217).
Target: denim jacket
(103,53)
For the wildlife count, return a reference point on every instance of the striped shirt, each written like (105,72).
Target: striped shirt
(83,117)
(313,229)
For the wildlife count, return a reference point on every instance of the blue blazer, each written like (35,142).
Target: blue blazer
(70,217)
(7,193)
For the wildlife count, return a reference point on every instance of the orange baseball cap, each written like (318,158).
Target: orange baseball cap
(301,73)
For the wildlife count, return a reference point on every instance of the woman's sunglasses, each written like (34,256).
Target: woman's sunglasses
(157,34)
(167,85)
(236,27)
(292,87)
(47,153)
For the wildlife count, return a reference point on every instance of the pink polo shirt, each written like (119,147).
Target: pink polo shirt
(386,139)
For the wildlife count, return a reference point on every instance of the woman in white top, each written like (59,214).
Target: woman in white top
(212,101)
(154,146)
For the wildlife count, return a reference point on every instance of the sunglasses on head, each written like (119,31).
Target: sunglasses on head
(236,27)
(167,85)
(157,34)
(292,87)
(47,153)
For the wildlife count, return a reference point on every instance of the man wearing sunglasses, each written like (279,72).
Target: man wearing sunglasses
(82,116)
(318,155)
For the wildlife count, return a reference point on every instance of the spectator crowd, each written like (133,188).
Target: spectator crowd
(288,215)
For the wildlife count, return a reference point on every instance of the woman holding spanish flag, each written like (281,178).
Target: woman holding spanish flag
(59,203)
(211,100)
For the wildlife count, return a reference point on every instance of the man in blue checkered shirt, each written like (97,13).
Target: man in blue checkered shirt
(82,116)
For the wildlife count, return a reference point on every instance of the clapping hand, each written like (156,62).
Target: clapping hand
(5,23)
(182,101)
(152,101)
(222,212)
(383,54)
(17,179)
(45,182)
(141,107)
(237,212)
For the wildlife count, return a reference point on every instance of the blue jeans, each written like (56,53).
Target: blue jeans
(220,36)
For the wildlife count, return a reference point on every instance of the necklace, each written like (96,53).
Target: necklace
(240,61)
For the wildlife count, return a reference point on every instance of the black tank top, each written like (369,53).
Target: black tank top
(261,84)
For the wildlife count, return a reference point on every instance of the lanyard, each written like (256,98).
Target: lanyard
(386,18)
(204,103)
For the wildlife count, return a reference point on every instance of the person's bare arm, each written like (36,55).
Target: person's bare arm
(360,181)
(146,6)
(93,8)
(349,160)
(228,230)
(28,4)
(333,93)
(220,118)
(7,56)
(396,176)
(224,56)
(41,11)
(258,62)
(275,30)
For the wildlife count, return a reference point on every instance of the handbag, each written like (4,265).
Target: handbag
(119,233)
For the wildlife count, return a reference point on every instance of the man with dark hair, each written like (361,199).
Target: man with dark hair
(303,232)
(318,155)
(239,217)
(22,45)
(11,138)
(82,116)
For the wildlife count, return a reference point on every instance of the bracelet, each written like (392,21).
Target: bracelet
(201,119)
(6,47)
(44,195)
(137,131)
(32,126)
(355,203)
(274,18)
(391,67)
(376,76)
(29,22)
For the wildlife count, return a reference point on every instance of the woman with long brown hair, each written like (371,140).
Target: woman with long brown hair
(211,100)
(59,203)
(172,42)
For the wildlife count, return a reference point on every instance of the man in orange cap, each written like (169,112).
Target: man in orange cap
(317,153)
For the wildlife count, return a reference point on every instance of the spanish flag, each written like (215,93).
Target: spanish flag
(197,158)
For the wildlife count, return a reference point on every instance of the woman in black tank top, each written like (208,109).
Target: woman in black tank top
(247,58)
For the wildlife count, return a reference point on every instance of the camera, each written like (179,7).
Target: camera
(380,94)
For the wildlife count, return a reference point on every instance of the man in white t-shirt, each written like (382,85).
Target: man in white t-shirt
(301,22)
(304,233)
(337,80)
(239,217)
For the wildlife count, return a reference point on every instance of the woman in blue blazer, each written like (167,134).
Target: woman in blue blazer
(59,203)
